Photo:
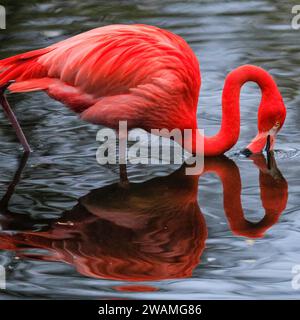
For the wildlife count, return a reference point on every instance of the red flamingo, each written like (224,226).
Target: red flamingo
(142,74)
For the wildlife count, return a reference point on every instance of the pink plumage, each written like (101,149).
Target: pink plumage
(145,75)
(113,73)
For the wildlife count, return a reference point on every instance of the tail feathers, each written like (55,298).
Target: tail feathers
(23,67)
(31,85)
(19,58)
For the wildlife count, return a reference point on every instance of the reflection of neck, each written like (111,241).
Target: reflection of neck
(273,195)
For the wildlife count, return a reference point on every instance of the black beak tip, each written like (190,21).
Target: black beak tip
(246,152)
(268,144)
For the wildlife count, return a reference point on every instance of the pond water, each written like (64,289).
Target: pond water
(69,231)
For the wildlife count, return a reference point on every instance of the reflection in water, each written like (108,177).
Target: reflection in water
(149,231)
(152,230)
(273,192)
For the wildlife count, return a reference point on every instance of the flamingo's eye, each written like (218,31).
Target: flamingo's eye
(277,124)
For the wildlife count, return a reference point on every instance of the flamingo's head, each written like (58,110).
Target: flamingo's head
(271,116)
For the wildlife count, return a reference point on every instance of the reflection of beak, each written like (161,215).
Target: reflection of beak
(263,139)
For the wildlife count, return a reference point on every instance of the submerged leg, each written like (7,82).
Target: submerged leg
(12,118)
(124,182)
(13,220)
(11,188)
(123,175)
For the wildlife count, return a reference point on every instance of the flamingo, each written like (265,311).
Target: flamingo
(141,74)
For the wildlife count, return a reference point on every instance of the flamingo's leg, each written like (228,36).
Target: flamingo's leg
(12,118)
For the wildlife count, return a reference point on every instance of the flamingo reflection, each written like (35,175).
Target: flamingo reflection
(150,231)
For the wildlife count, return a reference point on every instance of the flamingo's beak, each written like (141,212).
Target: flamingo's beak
(263,139)
(268,144)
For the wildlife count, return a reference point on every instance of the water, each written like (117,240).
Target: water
(70,232)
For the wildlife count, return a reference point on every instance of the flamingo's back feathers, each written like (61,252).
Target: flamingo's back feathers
(145,64)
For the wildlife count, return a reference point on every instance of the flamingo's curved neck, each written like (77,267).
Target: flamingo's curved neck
(230,127)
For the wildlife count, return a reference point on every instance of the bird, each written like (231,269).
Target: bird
(142,74)
(154,230)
